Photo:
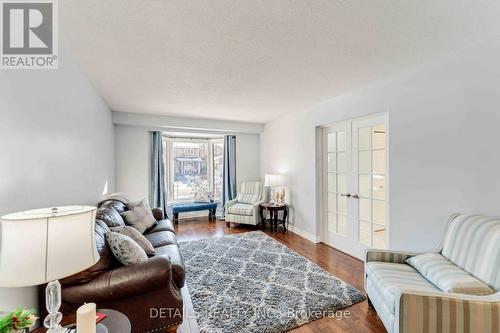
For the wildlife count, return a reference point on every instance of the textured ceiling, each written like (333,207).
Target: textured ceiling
(255,60)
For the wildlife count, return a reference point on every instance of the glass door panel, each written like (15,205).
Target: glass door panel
(371,170)
(336,169)
(354,182)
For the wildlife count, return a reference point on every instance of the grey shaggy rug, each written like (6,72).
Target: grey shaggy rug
(249,283)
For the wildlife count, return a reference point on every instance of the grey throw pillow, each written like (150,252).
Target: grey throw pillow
(125,249)
(139,215)
(137,237)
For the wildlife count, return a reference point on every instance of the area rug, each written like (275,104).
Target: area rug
(251,283)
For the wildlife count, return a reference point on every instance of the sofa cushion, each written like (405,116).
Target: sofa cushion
(139,215)
(119,206)
(110,216)
(137,237)
(240,209)
(161,238)
(389,279)
(125,249)
(447,276)
(383,309)
(176,261)
(248,198)
(193,207)
(472,242)
(162,225)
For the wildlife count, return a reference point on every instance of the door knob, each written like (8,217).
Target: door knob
(355,196)
(345,195)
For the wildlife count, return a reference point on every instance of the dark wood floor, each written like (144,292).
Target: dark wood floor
(362,319)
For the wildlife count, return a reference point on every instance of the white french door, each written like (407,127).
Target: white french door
(354,185)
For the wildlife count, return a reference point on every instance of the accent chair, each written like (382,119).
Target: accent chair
(245,208)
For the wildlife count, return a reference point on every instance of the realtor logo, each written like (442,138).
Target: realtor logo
(29,34)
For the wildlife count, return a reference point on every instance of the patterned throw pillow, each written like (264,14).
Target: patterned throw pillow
(248,198)
(125,249)
(137,237)
(139,215)
(447,276)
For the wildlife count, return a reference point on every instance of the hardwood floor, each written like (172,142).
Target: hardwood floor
(362,318)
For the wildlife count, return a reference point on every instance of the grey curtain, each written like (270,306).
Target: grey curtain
(157,188)
(229,173)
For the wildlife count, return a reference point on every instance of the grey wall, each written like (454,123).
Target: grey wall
(443,144)
(56,146)
(132,158)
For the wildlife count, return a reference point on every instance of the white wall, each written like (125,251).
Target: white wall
(132,157)
(444,134)
(56,147)
(132,147)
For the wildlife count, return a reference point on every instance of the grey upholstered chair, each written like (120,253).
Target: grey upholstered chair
(245,208)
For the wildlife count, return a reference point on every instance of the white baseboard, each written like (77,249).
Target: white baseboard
(313,238)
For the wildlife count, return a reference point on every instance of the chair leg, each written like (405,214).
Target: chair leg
(176,218)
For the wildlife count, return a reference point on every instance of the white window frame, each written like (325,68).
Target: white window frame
(170,162)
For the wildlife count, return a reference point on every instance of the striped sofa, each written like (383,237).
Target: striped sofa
(408,302)
(245,208)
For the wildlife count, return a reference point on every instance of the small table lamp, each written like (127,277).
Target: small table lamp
(43,245)
(275,181)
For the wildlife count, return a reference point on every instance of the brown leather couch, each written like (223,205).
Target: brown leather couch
(147,293)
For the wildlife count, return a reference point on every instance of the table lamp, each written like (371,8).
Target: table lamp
(276,181)
(44,245)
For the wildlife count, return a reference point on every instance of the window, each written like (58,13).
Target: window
(194,167)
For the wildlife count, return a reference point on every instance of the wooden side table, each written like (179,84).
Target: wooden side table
(274,210)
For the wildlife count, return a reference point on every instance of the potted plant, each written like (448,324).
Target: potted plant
(19,320)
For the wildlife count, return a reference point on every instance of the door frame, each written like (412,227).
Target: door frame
(321,222)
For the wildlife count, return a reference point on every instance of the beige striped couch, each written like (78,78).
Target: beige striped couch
(407,302)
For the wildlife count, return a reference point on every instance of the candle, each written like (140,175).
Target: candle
(85,318)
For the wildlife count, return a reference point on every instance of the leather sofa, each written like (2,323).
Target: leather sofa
(147,293)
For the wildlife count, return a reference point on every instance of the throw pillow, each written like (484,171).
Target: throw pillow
(139,215)
(248,198)
(447,276)
(137,237)
(125,249)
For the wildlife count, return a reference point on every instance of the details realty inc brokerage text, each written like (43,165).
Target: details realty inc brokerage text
(29,34)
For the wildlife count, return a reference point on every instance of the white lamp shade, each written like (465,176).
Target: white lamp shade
(274,180)
(44,245)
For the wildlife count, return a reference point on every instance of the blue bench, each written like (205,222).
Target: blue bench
(193,207)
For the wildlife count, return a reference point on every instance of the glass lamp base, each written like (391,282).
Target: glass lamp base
(53,303)
(57,329)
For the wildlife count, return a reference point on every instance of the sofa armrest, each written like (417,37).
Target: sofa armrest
(396,257)
(256,207)
(229,204)
(158,214)
(122,282)
(258,203)
(438,312)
